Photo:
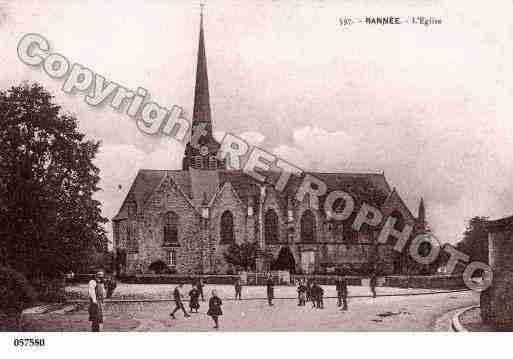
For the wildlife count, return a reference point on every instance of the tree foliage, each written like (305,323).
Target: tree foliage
(243,256)
(475,240)
(49,221)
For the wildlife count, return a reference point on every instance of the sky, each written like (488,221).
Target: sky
(428,105)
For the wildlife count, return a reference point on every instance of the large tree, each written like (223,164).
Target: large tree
(49,221)
(475,240)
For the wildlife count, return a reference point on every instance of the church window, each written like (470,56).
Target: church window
(131,238)
(271,226)
(170,228)
(132,209)
(212,162)
(399,223)
(171,259)
(198,162)
(307,227)
(227,235)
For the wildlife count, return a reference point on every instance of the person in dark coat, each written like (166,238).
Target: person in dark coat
(301,292)
(308,290)
(341,287)
(238,289)
(270,290)
(342,292)
(177,296)
(373,282)
(200,286)
(314,294)
(214,308)
(194,299)
(320,297)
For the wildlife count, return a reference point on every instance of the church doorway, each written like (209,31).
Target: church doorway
(307,262)
(285,261)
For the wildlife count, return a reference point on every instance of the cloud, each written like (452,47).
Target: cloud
(252,137)
(457,179)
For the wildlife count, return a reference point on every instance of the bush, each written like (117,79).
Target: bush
(158,267)
(50,290)
(16,294)
(179,278)
(110,286)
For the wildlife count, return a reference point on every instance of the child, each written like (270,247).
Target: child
(301,290)
(214,308)
(194,295)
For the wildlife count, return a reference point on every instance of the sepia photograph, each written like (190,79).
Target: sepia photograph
(259,167)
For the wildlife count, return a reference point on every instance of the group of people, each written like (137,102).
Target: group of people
(308,290)
(214,303)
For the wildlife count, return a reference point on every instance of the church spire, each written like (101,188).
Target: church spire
(201,151)
(421,217)
(422,212)
(201,112)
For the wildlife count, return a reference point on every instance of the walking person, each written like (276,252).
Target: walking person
(308,290)
(177,296)
(314,293)
(96,295)
(373,282)
(320,297)
(343,292)
(200,286)
(301,293)
(339,286)
(194,299)
(238,289)
(214,308)
(270,290)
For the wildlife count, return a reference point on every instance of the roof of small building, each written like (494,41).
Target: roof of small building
(500,225)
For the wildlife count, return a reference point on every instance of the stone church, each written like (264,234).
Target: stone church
(189,218)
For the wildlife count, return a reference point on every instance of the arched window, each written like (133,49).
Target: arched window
(198,162)
(308,226)
(131,209)
(170,228)
(131,238)
(271,226)
(399,223)
(227,235)
(212,162)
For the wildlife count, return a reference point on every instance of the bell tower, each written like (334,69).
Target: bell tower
(201,150)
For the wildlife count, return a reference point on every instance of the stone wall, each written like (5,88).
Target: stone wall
(200,250)
(449,282)
(497,301)
(150,232)
(226,200)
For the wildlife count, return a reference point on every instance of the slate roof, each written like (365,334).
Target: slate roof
(146,182)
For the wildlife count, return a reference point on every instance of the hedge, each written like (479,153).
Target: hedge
(427,282)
